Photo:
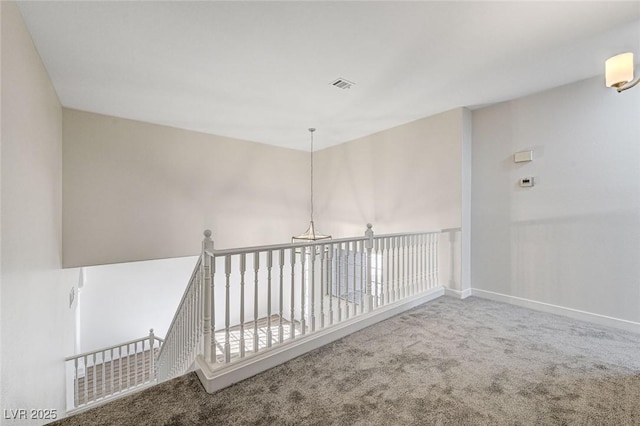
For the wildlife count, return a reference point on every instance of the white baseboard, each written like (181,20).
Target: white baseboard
(559,310)
(457,293)
(219,378)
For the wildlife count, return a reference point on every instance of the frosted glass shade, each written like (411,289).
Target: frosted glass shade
(619,69)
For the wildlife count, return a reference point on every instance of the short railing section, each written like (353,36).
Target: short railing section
(246,301)
(110,372)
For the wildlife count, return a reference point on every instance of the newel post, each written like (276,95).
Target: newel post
(369,246)
(207,249)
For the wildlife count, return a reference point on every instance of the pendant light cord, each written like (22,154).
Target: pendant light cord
(311,131)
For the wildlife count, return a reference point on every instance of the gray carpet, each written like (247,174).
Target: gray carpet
(471,362)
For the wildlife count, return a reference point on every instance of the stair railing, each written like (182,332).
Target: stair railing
(244,301)
(191,324)
(240,302)
(113,371)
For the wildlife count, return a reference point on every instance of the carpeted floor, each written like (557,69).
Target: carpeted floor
(471,362)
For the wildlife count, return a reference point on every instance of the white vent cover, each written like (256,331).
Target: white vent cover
(341,83)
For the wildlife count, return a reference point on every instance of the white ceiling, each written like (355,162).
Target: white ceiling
(262,70)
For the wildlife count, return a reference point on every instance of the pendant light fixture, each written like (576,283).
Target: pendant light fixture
(310,234)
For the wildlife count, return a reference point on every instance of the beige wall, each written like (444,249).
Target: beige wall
(407,178)
(404,179)
(37,324)
(139,191)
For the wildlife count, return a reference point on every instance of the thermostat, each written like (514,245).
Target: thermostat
(523,156)
(526,181)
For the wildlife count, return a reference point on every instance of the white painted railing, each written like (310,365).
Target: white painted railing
(113,371)
(241,302)
(184,337)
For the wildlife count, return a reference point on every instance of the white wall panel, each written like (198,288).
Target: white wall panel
(572,240)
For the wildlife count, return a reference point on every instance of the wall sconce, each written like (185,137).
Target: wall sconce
(619,72)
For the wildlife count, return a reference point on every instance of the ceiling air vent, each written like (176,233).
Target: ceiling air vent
(341,83)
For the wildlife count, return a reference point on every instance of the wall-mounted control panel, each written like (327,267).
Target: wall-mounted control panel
(526,182)
(523,156)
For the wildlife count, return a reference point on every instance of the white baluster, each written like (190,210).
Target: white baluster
(95,380)
(86,378)
(356,285)
(269,266)
(412,263)
(330,281)
(396,268)
(199,315)
(227,345)
(188,325)
(369,246)
(420,282)
(364,290)
(243,268)
(406,259)
(303,285)
(76,398)
(414,281)
(346,278)
(386,246)
(339,268)
(135,365)
(426,261)
(354,273)
(184,340)
(111,391)
(173,348)
(403,245)
(104,376)
(179,344)
(431,261)
(281,297)
(420,261)
(120,369)
(398,281)
(436,280)
(391,293)
(416,249)
(377,279)
(354,251)
(152,365)
(193,339)
(256,266)
(174,351)
(323,282)
(313,287)
(293,300)
(409,256)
